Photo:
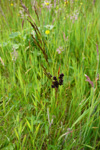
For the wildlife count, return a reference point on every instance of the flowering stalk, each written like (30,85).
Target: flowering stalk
(56,83)
(39,42)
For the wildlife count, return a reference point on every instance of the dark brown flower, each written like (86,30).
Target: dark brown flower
(56,83)
(61,82)
(54,78)
(52,86)
(61,75)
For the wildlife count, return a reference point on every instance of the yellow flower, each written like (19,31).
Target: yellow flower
(65,3)
(64,18)
(81,4)
(12,4)
(46,3)
(47,32)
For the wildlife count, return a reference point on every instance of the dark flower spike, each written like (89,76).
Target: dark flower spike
(53,82)
(60,82)
(56,83)
(60,78)
(61,75)
(54,78)
(52,86)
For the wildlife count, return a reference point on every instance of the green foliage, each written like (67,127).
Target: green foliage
(32,114)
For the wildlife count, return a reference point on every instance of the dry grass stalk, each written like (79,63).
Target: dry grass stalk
(39,41)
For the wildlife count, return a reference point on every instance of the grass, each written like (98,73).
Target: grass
(32,114)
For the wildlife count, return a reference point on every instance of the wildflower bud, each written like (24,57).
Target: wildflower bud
(56,84)
(61,82)
(61,75)
(54,78)
(52,86)
(60,78)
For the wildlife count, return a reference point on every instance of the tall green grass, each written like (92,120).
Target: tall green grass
(31,116)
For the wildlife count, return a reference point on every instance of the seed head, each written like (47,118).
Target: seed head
(52,86)
(54,78)
(61,75)
(61,82)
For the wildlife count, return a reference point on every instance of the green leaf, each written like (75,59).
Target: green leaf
(88,146)
(14,35)
(16,46)
(81,117)
(46,130)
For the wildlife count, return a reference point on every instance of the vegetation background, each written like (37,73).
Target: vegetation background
(33,115)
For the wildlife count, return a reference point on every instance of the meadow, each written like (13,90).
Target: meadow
(49,75)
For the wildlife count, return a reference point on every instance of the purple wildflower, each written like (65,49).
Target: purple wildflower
(74,16)
(88,80)
(64,36)
(97,77)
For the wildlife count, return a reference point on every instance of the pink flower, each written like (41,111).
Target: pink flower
(64,36)
(88,80)
(59,50)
